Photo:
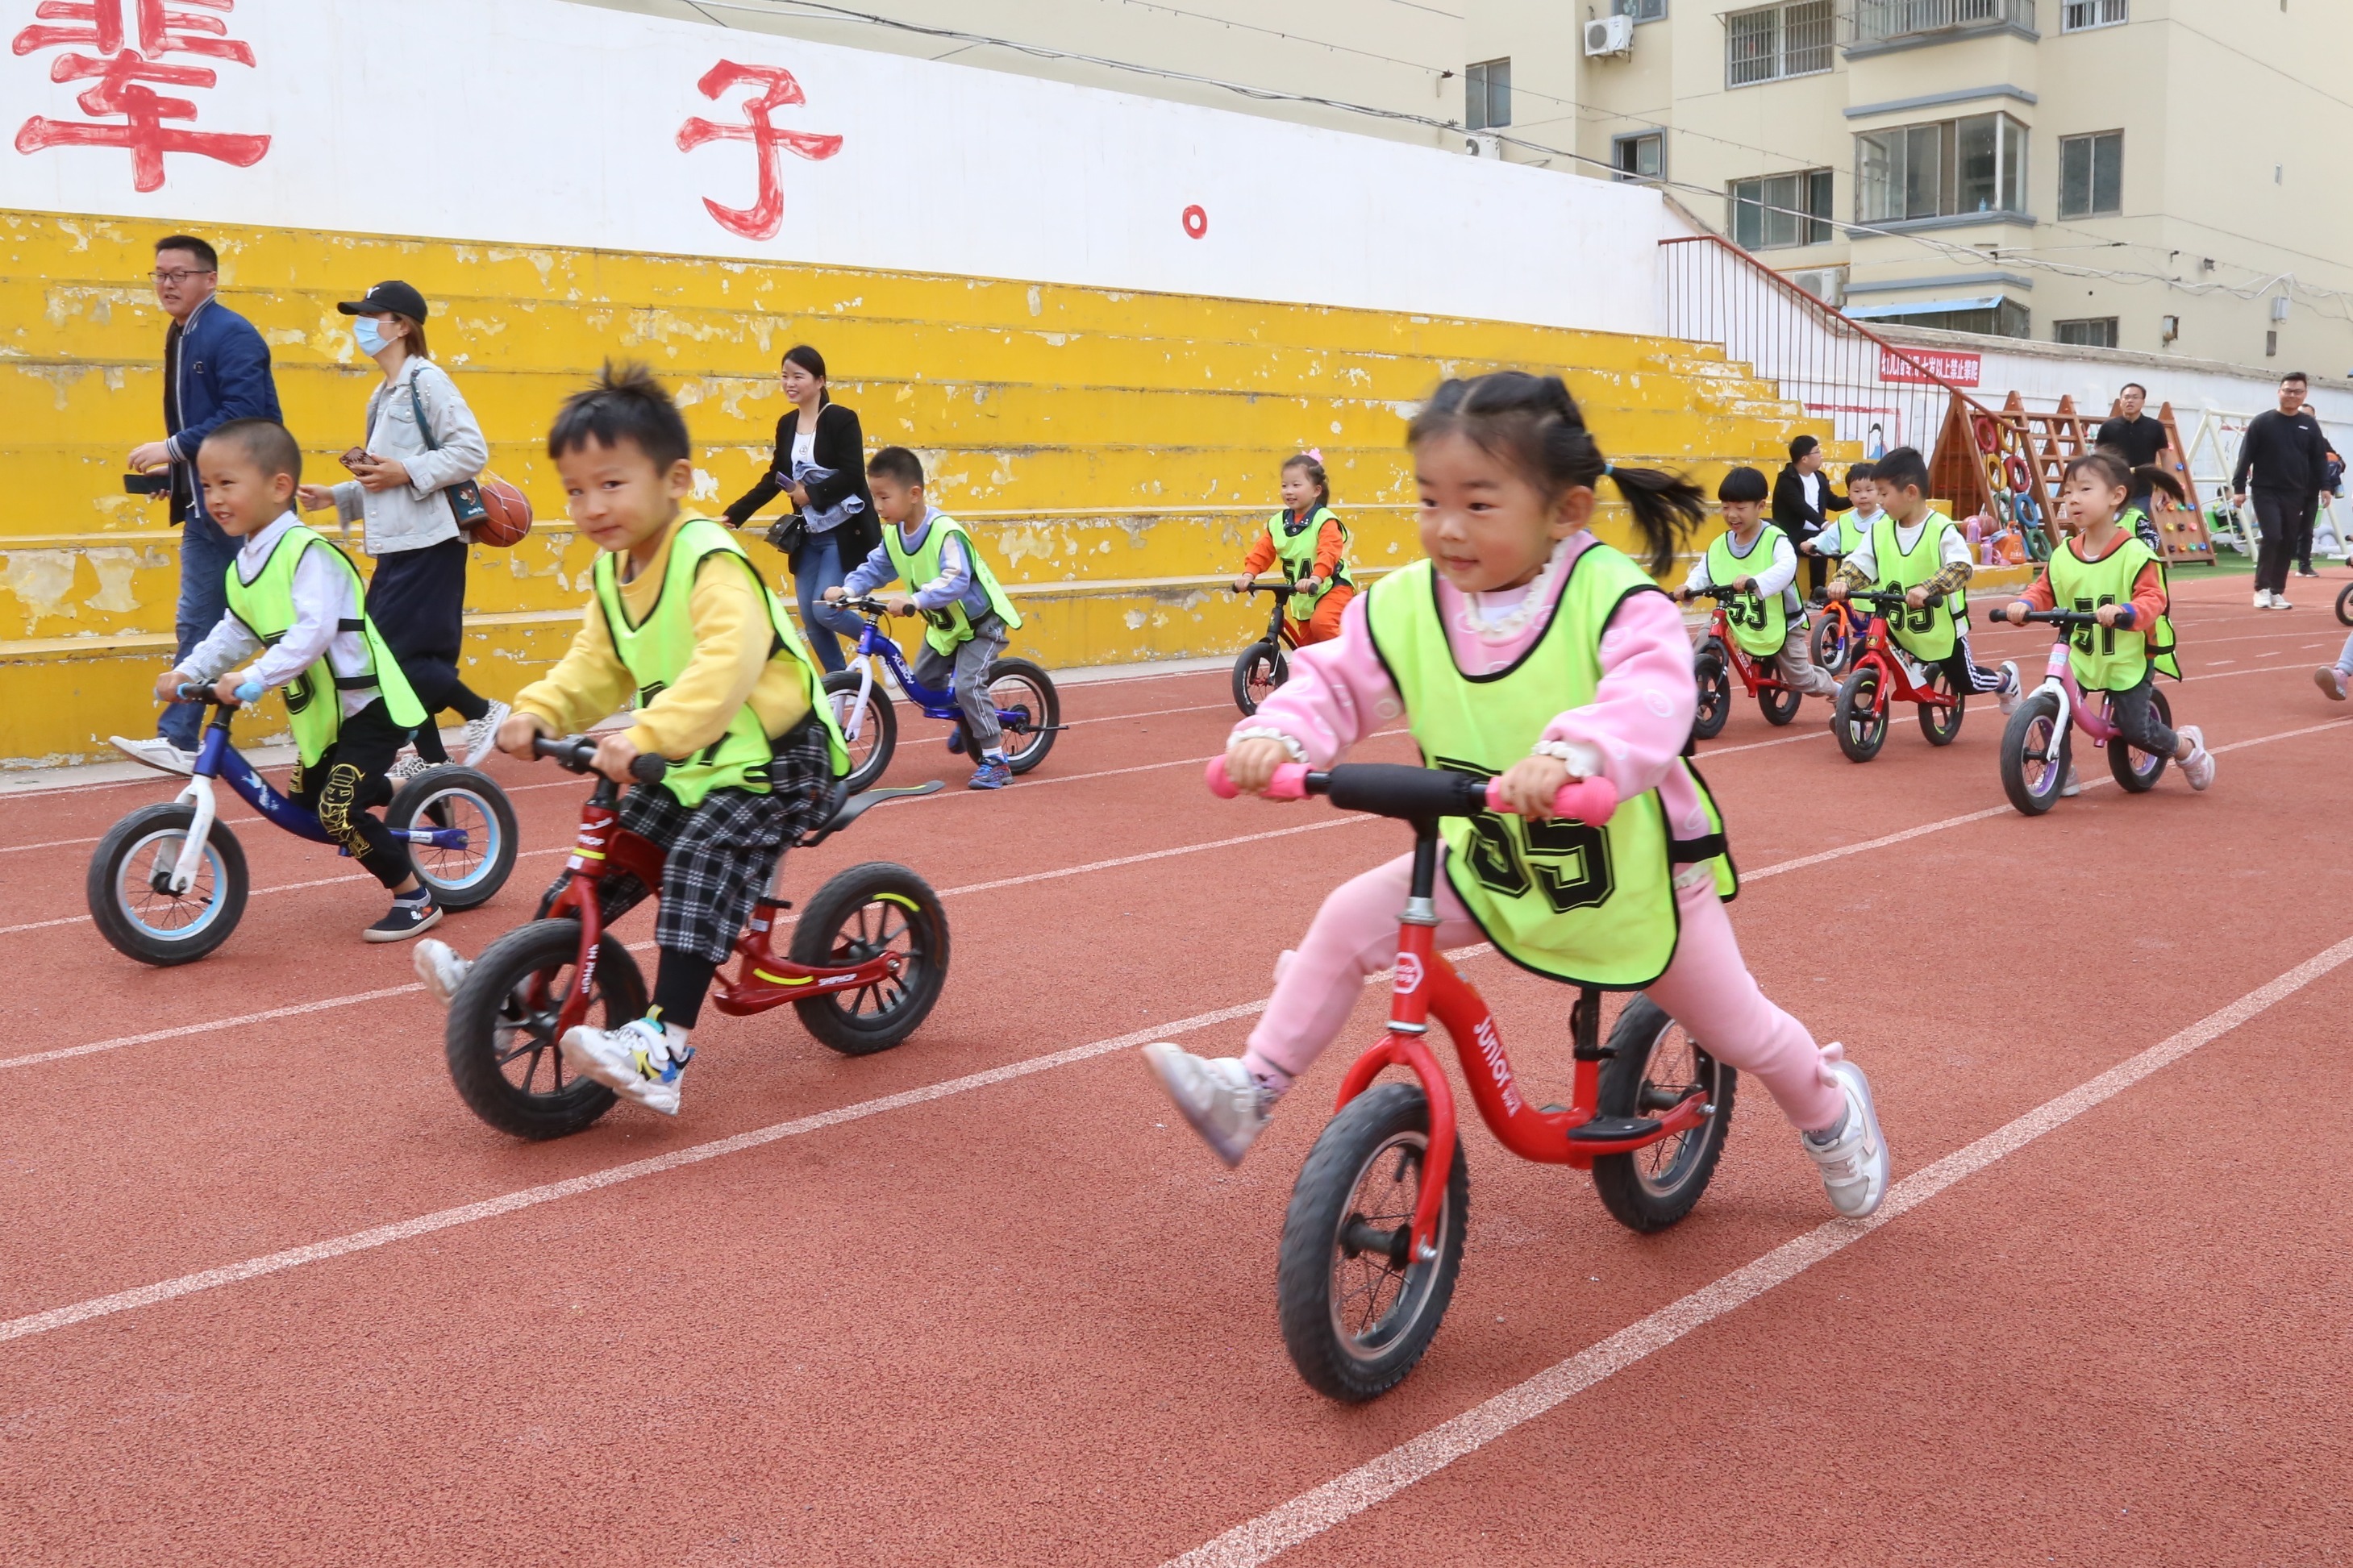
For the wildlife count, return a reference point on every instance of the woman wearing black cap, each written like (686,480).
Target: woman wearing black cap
(417,595)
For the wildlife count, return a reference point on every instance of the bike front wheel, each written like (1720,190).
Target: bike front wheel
(860,914)
(475,823)
(1261,668)
(2034,755)
(1830,645)
(870,729)
(502,1043)
(1714,693)
(1357,1308)
(1859,719)
(128,892)
(2345,604)
(1029,708)
(1654,1065)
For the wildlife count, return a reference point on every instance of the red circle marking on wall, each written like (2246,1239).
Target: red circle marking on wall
(1197,222)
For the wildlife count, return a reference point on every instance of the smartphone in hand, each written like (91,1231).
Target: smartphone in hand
(356,458)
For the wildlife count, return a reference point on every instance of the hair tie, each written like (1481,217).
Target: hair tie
(1607,468)
(1314,452)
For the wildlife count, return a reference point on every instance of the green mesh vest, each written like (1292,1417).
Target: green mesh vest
(2110,658)
(314,699)
(1926,632)
(1294,547)
(1759,621)
(950,626)
(1588,905)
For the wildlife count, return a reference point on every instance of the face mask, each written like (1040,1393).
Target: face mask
(371,341)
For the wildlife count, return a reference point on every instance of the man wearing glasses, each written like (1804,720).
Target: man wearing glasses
(216,369)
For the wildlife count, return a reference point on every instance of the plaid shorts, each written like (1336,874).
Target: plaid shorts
(720,855)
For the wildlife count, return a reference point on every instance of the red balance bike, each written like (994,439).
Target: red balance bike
(867,959)
(2035,752)
(1720,656)
(1373,1239)
(1884,674)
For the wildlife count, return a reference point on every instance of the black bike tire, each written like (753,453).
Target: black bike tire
(418,793)
(105,875)
(2344,605)
(1817,644)
(2120,750)
(885,714)
(1617,1178)
(2013,756)
(1250,658)
(1779,704)
(1713,674)
(466,1038)
(1938,734)
(1048,721)
(1864,678)
(813,941)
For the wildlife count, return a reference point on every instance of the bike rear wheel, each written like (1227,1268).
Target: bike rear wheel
(1778,704)
(2035,754)
(1942,724)
(863,913)
(502,1038)
(1021,689)
(1858,718)
(441,799)
(876,722)
(1358,1311)
(1714,676)
(1261,668)
(1656,1064)
(162,927)
(2135,769)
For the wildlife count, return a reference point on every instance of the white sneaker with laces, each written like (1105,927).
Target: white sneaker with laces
(2263,598)
(1217,1094)
(2200,769)
(156,753)
(2279,601)
(482,733)
(2013,689)
(1854,1165)
(407,766)
(2073,786)
(636,1061)
(440,967)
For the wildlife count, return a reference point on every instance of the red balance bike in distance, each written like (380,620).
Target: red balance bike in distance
(1720,656)
(869,956)
(1884,674)
(2035,751)
(1373,1239)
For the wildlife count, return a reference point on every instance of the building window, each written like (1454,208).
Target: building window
(2271,345)
(2092,174)
(1953,166)
(2093,333)
(1777,41)
(1640,10)
(1642,157)
(1883,22)
(1781,210)
(2075,16)
(1490,94)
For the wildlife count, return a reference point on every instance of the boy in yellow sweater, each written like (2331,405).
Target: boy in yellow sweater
(725,690)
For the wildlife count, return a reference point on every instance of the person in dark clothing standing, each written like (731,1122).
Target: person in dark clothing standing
(216,369)
(2138,439)
(820,468)
(1802,502)
(2287,459)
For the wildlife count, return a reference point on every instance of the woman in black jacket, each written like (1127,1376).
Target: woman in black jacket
(1803,499)
(820,468)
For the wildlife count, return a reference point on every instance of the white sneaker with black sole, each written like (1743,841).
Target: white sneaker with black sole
(482,733)
(156,753)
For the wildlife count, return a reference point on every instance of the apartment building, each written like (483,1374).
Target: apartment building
(2158,175)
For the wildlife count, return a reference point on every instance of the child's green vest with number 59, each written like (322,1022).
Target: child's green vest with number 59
(1759,621)
(658,650)
(1925,631)
(950,626)
(314,700)
(1295,546)
(1593,906)
(2110,658)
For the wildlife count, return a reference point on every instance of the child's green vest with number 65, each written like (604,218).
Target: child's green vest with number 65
(1592,906)
(949,626)
(315,701)
(1759,621)
(1295,546)
(657,651)
(1925,631)
(2110,658)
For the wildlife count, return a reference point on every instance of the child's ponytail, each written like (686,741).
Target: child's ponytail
(1532,423)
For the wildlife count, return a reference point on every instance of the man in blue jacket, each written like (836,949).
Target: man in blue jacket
(216,369)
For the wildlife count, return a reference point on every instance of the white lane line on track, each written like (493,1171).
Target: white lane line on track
(49,844)
(1760,745)
(294,1010)
(1345,1496)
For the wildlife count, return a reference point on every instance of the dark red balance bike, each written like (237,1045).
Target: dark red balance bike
(1374,1236)
(1884,674)
(1720,656)
(868,958)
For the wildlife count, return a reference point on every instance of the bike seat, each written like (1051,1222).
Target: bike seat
(1613,1129)
(858,805)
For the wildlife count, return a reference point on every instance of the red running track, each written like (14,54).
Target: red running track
(269,1294)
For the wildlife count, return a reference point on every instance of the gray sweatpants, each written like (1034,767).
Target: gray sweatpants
(965,672)
(1797,666)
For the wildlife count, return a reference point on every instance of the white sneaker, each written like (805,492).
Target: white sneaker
(407,766)
(438,964)
(635,1062)
(2279,601)
(1217,1094)
(1854,1165)
(2331,681)
(482,733)
(2200,769)
(2073,786)
(2263,598)
(156,753)
(2013,689)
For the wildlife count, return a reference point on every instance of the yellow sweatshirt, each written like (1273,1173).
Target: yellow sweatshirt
(731,665)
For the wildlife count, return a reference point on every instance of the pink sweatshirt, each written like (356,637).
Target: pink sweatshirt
(1630,733)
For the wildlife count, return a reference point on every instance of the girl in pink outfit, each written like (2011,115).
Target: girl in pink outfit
(1506,470)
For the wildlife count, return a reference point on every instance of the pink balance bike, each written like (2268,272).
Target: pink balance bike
(2035,744)
(1373,1239)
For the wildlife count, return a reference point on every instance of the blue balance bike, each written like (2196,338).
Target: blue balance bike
(168,882)
(1026,706)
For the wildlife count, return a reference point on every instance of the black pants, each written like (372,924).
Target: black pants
(2135,715)
(1813,570)
(347,780)
(417,599)
(1967,676)
(2285,518)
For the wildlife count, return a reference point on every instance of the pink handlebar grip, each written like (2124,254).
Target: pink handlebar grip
(1592,801)
(1290,782)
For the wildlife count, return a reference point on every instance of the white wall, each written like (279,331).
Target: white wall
(530,121)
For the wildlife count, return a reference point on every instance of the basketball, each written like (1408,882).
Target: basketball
(506,514)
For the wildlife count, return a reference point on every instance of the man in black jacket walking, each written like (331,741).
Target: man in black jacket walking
(2288,459)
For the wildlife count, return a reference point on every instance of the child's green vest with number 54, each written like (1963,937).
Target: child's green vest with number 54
(1925,631)
(657,649)
(1295,546)
(1592,906)
(1759,622)
(950,626)
(315,701)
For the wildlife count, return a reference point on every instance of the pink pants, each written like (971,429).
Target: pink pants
(1707,989)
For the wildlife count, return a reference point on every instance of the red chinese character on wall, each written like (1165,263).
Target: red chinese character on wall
(765,217)
(130,54)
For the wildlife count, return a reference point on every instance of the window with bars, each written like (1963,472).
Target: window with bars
(2091,332)
(2092,174)
(1640,10)
(1976,164)
(2075,15)
(1777,41)
(1488,92)
(1642,157)
(1781,210)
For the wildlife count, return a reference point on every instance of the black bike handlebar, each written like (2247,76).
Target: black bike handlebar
(1873,596)
(577,754)
(2070,618)
(1280,590)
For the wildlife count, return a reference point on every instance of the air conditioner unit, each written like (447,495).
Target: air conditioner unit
(1827,284)
(1484,146)
(1608,36)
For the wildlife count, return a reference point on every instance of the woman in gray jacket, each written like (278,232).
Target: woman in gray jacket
(416,596)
